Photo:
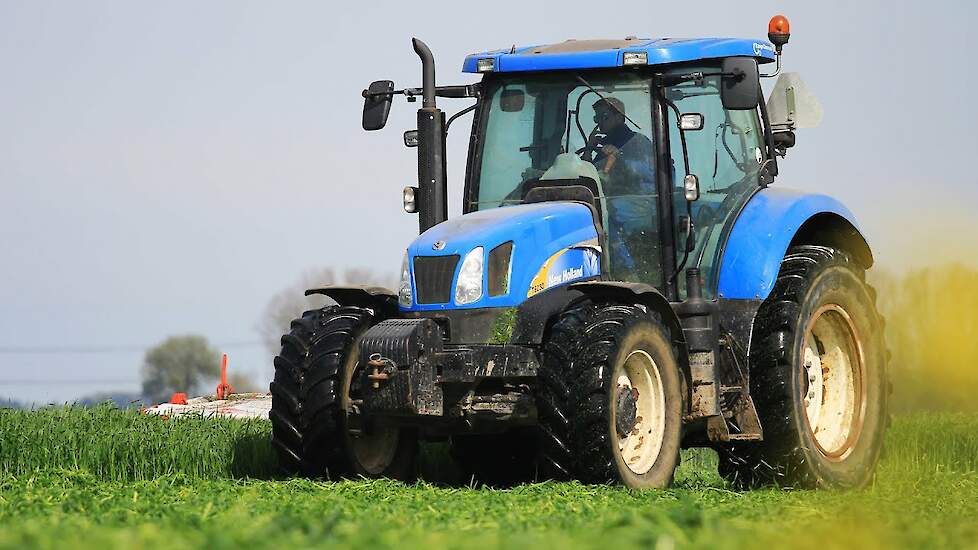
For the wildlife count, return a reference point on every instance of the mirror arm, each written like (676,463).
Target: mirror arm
(458,92)
(452,118)
(777,69)
(669,80)
(772,157)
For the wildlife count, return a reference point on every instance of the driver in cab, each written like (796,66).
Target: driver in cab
(624,160)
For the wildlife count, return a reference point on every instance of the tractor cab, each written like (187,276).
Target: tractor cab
(544,136)
(663,140)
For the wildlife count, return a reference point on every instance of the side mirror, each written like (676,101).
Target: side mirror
(740,88)
(377,99)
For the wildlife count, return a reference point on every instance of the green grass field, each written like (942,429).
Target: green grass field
(97,478)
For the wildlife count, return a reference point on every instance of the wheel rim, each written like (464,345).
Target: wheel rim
(834,395)
(373,449)
(638,383)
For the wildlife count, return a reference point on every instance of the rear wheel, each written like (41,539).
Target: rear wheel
(817,377)
(625,396)
(314,390)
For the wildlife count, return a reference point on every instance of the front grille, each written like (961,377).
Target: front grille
(433,278)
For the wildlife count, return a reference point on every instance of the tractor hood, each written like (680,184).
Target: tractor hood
(553,243)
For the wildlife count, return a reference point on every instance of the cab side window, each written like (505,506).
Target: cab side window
(726,155)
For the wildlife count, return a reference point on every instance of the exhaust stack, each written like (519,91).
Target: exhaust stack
(432,165)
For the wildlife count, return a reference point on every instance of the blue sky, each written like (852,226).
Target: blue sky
(166,167)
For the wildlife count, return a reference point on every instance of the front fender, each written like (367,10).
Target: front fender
(765,229)
(379,299)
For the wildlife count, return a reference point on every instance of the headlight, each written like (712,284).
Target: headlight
(469,286)
(404,296)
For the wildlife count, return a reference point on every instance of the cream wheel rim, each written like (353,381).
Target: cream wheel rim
(834,395)
(638,403)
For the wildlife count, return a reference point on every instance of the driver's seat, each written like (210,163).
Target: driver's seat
(580,189)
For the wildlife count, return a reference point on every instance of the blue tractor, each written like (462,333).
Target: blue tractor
(626,280)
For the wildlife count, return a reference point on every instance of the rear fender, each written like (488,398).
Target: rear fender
(772,221)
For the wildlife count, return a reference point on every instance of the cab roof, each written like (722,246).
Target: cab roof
(595,54)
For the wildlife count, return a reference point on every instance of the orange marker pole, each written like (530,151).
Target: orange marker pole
(224,389)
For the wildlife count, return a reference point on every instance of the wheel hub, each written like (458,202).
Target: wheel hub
(627,410)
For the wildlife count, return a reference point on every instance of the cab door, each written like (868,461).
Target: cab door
(726,155)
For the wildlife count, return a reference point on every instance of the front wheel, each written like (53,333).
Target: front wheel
(625,395)
(314,391)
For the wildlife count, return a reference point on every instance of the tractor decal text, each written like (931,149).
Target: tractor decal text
(569,264)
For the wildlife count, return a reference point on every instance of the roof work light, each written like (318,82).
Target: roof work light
(635,58)
(486,65)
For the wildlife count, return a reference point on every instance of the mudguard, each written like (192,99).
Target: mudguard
(381,300)
(770,222)
(635,293)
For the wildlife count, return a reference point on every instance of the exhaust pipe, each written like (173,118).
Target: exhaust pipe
(432,164)
(427,72)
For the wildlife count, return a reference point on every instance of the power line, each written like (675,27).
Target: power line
(54,382)
(52,350)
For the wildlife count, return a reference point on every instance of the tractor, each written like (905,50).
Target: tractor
(626,279)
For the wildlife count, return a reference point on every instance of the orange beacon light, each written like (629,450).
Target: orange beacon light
(778,32)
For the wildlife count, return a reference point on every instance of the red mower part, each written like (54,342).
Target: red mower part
(179,398)
(224,389)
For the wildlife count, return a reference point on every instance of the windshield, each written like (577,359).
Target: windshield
(591,129)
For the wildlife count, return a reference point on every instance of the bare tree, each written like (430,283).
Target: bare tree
(289,303)
(179,364)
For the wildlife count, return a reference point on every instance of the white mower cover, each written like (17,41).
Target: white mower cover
(240,405)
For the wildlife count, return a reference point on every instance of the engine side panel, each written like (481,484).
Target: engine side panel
(554,244)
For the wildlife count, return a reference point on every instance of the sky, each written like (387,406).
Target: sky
(166,167)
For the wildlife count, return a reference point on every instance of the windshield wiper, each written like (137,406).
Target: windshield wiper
(589,87)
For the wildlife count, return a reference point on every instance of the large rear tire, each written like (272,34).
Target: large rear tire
(817,376)
(311,398)
(622,419)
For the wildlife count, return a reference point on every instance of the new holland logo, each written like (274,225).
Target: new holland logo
(760,48)
(439,245)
